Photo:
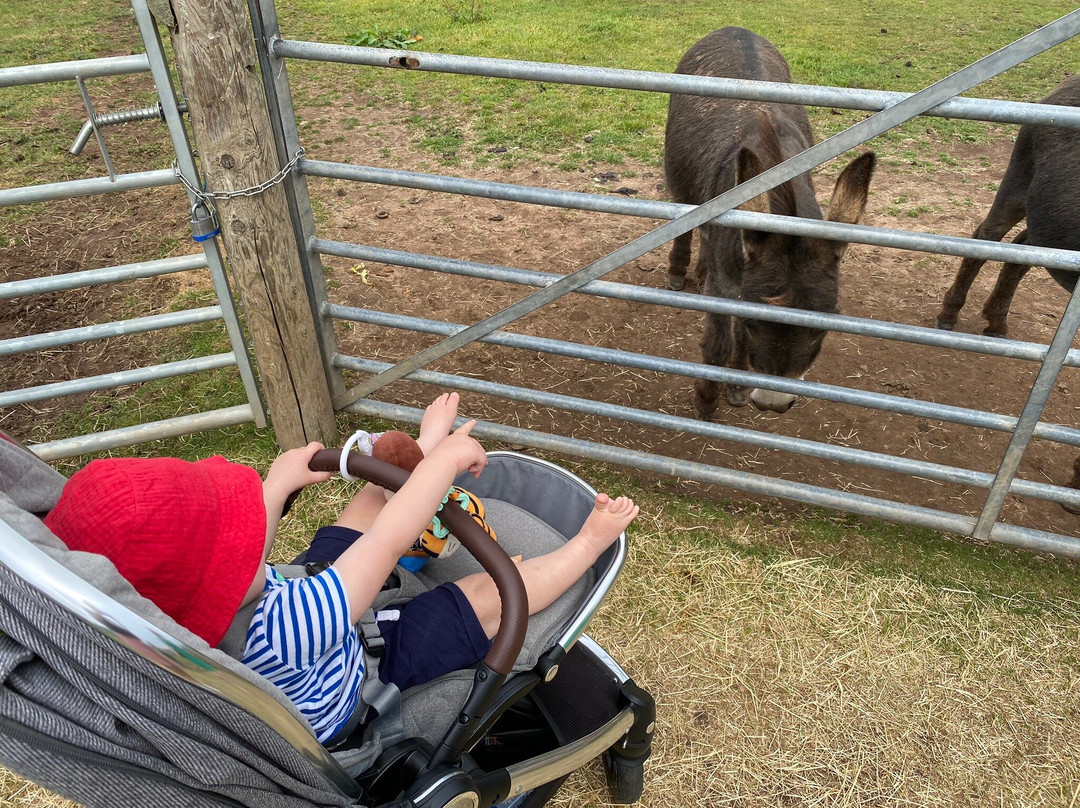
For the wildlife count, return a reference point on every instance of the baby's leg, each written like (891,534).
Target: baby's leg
(437,421)
(546,577)
(362,509)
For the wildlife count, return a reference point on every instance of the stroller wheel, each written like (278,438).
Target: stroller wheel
(625,779)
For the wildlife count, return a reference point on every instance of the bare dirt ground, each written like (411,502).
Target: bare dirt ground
(947,194)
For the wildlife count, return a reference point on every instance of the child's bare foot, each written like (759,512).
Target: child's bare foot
(438,420)
(609,518)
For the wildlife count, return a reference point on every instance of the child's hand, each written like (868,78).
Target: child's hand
(289,472)
(463,451)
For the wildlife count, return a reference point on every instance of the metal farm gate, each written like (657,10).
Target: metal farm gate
(993,479)
(170,110)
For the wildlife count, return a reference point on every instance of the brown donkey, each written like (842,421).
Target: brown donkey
(711,145)
(1040,185)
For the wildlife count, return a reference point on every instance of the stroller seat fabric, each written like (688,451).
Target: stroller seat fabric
(522,534)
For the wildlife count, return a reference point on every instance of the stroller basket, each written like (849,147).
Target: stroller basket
(105,700)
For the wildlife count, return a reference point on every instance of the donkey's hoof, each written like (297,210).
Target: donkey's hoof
(676,282)
(944,326)
(705,400)
(995,332)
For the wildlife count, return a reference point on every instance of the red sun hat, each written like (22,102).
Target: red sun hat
(189,536)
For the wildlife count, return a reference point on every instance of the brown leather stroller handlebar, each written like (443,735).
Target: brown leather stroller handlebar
(514,620)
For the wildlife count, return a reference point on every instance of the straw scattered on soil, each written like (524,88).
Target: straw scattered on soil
(18,793)
(798,681)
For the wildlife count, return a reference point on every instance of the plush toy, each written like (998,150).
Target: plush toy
(398,449)
(402,451)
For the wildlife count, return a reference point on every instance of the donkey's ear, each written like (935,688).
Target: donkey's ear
(852,188)
(747,167)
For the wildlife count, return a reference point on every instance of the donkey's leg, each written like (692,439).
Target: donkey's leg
(706,256)
(738,359)
(956,296)
(715,349)
(679,260)
(996,308)
(1007,210)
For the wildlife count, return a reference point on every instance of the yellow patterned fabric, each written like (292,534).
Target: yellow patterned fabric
(437,540)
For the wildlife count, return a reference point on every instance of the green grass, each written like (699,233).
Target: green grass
(890,45)
(39,122)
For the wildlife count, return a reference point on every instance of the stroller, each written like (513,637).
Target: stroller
(107,701)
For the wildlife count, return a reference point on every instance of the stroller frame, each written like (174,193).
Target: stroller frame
(624,739)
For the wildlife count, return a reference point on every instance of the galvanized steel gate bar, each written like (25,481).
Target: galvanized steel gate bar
(891,109)
(910,107)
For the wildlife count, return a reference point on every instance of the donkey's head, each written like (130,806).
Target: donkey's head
(793,272)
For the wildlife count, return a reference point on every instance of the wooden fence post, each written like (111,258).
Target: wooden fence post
(219,73)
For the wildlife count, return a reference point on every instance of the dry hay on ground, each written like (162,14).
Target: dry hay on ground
(798,681)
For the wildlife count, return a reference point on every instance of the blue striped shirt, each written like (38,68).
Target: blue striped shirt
(302,641)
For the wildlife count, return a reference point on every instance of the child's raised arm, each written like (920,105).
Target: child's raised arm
(365,565)
(288,473)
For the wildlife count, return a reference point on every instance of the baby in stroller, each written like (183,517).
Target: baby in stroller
(109,701)
(152,516)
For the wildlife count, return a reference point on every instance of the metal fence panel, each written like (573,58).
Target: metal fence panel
(210,258)
(892,109)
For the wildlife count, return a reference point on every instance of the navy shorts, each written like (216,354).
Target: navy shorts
(434,633)
(329,543)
